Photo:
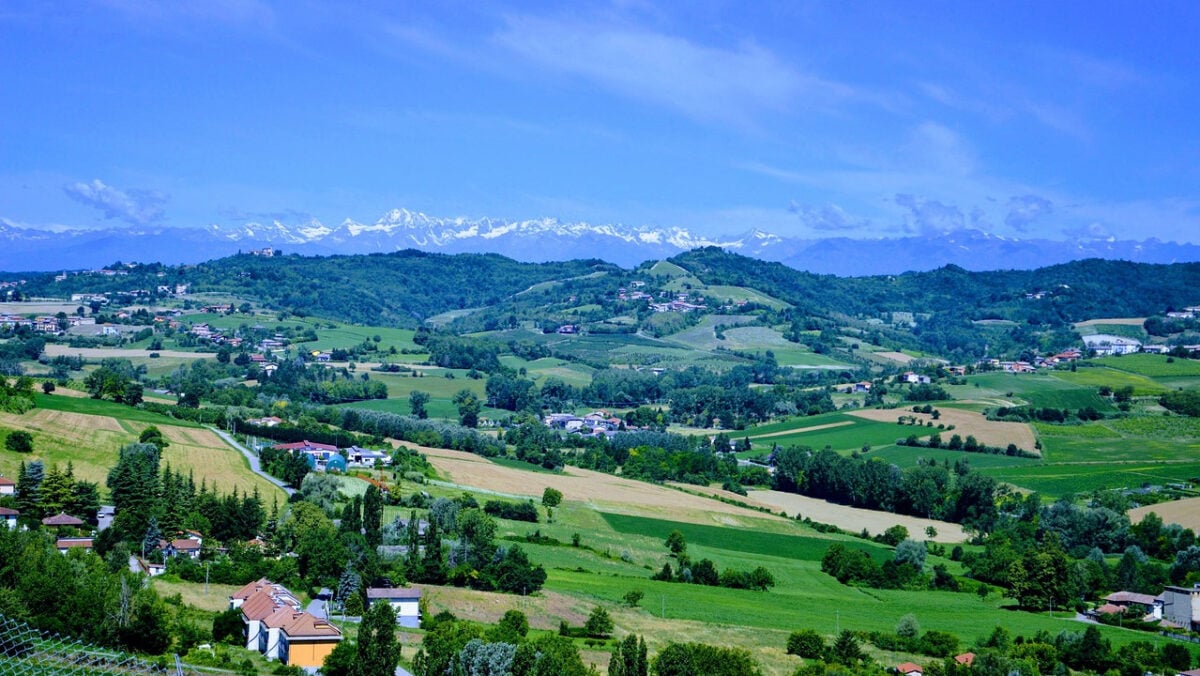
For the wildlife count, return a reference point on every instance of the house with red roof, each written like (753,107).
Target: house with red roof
(909,669)
(7,486)
(9,517)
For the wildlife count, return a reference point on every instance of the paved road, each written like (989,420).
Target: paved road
(254,464)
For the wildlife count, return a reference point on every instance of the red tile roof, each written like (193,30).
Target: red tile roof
(909,668)
(308,626)
(248,590)
(61,519)
(966,658)
(4,511)
(258,607)
(186,545)
(74,543)
(5,481)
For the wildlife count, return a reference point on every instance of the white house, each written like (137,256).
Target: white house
(9,517)
(1105,344)
(406,603)
(7,486)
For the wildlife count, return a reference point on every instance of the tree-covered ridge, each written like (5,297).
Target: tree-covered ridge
(1071,292)
(395,289)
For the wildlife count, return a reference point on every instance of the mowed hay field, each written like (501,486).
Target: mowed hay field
(987,432)
(600,491)
(854,519)
(1186,513)
(91,444)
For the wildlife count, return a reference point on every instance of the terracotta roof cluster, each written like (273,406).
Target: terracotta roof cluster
(276,607)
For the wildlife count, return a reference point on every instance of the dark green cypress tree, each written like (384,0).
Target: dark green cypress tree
(372,516)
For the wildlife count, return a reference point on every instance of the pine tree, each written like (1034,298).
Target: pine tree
(152,537)
(29,487)
(348,583)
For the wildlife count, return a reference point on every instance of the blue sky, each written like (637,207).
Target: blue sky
(862,119)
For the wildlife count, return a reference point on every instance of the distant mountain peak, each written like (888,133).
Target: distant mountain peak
(547,238)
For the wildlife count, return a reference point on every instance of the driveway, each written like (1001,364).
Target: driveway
(255,465)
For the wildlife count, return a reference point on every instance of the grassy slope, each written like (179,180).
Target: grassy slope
(88,433)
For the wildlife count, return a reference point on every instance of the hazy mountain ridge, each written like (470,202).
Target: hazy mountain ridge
(545,239)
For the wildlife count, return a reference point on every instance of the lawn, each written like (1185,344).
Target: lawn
(539,370)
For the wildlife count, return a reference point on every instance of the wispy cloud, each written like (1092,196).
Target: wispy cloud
(1023,210)
(827,218)
(710,84)
(137,207)
(929,217)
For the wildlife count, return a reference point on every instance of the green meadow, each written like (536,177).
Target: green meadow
(846,432)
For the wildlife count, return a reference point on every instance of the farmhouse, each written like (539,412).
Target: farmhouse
(1145,604)
(1181,606)
(7,486)
(321,457)
(365,457)
(1105,344)
(405,602)
(915,378)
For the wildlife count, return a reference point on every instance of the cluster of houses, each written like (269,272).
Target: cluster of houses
(330,458)
(1190,312)
(594,424)
(680,303)
(43,323)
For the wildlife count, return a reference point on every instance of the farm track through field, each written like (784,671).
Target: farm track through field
(801,430)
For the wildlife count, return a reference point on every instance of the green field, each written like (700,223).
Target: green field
(740,293)
(740,540)
(1152,365)
(539,370)
(850,433)
(1102,376)
(1044,390)
(89,406)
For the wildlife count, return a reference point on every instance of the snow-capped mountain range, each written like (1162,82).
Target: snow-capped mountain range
(25,249)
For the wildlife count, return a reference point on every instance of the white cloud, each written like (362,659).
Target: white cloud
(710,84)
(137,207)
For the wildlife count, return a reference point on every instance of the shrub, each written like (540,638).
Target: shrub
(806,643)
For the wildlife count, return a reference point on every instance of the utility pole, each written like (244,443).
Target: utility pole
(206,565)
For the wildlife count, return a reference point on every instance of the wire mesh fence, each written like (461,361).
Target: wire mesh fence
(26,651)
